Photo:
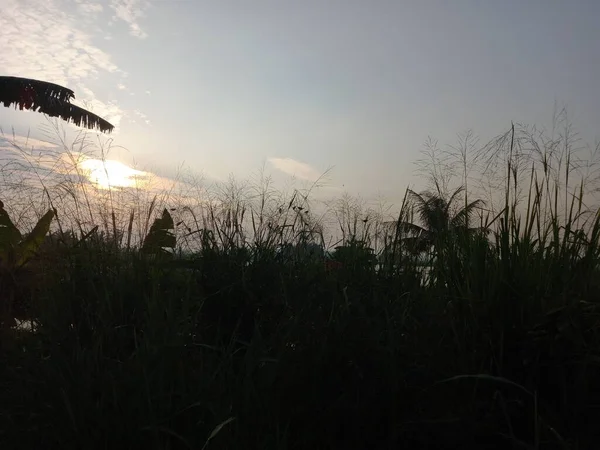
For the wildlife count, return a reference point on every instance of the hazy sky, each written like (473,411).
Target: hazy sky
(304,85)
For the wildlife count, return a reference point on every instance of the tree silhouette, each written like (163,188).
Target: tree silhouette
(439,219)
(48,98)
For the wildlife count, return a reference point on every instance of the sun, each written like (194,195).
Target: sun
(110,174)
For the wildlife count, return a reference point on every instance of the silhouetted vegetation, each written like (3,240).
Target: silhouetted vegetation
(50,99)
(464,321)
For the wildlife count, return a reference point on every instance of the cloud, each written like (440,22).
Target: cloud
(142,116)
(109,110)
(39,163)
(8,142)
(89,8)
(40,40)
(129,11)
(47,40)
(295,168)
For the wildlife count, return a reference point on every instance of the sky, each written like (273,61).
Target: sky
(230,87)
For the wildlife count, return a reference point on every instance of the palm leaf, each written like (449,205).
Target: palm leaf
(462,216)
(451,199)
(437,218)
(416,245)
(411,228)
(50,99)
(425,209)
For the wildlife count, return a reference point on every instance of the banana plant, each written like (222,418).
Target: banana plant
(16,250)
(50,99)
(160,237)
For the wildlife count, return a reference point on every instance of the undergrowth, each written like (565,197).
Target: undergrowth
(459,322)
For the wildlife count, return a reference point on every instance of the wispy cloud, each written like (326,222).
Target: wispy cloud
(45,39)
(295,168)
(9,142)
(38,162)
(108,110)
(130,11)
(142,116)
(89,7)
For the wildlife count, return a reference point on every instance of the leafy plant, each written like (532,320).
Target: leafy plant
(16,251)
(355,253)
(160,237)
(50,99)
(439,219)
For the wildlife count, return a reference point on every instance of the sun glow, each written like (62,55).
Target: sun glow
(110,174)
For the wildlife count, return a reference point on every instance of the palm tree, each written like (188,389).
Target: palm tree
(50,99)
(439,219)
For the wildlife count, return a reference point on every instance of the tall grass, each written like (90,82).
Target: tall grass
(247,337)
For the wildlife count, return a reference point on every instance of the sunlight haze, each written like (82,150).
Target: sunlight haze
(300,87)
(111,174)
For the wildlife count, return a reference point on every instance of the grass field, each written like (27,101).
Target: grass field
(456,324)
